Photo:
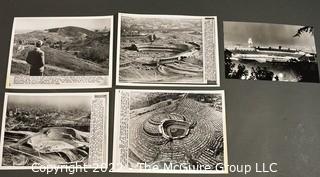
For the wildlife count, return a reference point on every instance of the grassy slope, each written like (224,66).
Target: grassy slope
(61,59)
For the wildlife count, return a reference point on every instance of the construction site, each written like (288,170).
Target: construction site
(187,129)
(44,132)
(152,53)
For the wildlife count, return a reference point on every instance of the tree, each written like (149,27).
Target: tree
(230,72)
(229,65)
(262,73)
(305,29)
(241,72)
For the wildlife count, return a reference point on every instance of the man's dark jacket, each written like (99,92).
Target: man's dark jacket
(36,59)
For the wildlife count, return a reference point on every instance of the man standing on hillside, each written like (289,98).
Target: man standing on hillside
(36,60)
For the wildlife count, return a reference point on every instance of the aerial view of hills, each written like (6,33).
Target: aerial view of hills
(161,49)
(46,130)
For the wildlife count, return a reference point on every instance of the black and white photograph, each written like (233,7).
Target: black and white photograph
(56,129)
(272,52)
(60,52)
(170,132)
(166,50)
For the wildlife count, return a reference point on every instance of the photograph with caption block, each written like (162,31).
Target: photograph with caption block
(157,131)
(45,130)
(167,50)
(60,53)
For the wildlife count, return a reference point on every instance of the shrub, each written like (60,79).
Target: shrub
(97,54)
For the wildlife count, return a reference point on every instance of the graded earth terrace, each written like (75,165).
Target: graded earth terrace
(176,129)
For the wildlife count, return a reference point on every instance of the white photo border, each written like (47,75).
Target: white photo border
(217,84)
(105,165)
(61,86)
(116,134)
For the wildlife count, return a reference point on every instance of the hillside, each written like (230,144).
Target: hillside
(64,34)
(60,59)
(71,31)
(40,35)
(83,51)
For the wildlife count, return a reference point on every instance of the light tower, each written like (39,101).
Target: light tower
(250,43)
